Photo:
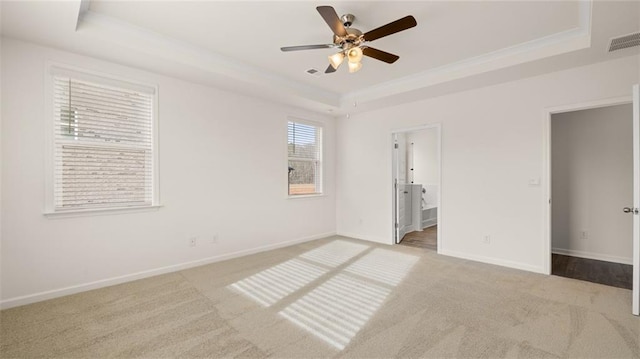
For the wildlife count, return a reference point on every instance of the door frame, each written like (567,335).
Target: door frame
(438,127)
(635,288)
(547,195)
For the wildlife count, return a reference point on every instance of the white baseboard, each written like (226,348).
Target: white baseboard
(55,293)
(496,261)
(591,255)
(366,238)
(429,222)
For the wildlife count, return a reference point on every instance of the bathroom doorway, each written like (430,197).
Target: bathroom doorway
(416,187)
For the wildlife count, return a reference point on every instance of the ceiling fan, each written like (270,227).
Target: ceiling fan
(352,42)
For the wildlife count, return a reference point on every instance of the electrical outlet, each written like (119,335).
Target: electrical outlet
(214,239)
(534,182)
(486,239)
(192,241)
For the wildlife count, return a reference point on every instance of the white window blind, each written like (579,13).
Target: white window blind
(305,159)
(103,145)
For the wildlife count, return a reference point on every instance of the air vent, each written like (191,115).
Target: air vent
(624,42)
(314,72)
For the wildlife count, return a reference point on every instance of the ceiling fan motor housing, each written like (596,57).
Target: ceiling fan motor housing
(354,36)
(347,19)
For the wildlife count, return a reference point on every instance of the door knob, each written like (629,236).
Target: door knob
(630,210)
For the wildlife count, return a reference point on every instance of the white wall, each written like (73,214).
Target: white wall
(492,145)
(222,171)
(592,180)
(425,156)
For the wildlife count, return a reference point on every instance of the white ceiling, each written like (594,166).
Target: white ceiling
(253,32)
(235,44)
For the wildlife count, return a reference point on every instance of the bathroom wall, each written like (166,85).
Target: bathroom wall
(425,156)
(591,183)
(423,148)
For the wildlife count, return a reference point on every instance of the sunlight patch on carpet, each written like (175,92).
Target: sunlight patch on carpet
(384,266)
(340,307)
(337,310)
(335,253)
(271,285)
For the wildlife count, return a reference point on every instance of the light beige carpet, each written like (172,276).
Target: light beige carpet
(334,297)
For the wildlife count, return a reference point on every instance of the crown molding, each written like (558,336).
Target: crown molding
(158,46)
(258,82)
(82,11)
(560,43)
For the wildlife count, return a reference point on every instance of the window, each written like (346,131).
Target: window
(305,159)
(103,143)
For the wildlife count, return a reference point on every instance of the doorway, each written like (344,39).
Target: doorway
(592,167)
(416,187)
(595,200)
(591,182)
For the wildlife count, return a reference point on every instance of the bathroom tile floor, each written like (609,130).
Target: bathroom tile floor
(427,239)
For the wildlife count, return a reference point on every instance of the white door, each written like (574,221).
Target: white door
(396,226)
(636,200)
(401,190)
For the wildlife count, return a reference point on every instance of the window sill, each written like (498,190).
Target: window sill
(305,196)
(100,211)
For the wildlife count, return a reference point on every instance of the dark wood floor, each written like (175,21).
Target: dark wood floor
(427,239)
(591,270)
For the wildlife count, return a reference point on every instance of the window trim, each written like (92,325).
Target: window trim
(320,125)
(55,68)
(101,211)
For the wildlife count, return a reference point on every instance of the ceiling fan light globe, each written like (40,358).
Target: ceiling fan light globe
(354,54)
(354,66)
(336,59)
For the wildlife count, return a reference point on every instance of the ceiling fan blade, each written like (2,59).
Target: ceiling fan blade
(406,22)
(329,70)
(307,47)
(331,18)
(380,55)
